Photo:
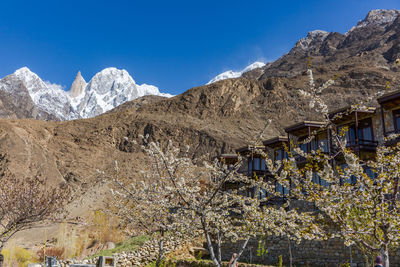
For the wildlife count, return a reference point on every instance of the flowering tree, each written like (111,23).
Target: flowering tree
(186,196)
(144,205)
(361,201)
(182,197)
(25,202)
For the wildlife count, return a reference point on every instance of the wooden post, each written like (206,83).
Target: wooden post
(357,145)
(309,143)
(383,121)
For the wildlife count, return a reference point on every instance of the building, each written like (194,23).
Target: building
(365,128)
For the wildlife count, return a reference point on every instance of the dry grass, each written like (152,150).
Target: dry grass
(50,252)
(73,242)
(105,228)
(18,257)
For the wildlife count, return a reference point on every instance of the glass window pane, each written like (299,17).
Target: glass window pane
(303,147)
(278,188)
(262,193)
(369,172)
(263,167)
(367,133)
(285,191)
(323,145)
(397,122)
(315,178)
(278,154)
(351,135)
(281,189)
(250,164)
(257,164)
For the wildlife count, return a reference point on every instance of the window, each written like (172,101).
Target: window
(262,193)
(365,134)
(250,165)
(365,130)
(323,145)
(317,180)
(304,147)
(281,189)
(280,154)
(257,164)
(263,165)
(350,180)
(368,171)
(396,120)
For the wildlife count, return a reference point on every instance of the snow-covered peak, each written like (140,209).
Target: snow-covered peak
(108,89)
(48,97)
(110,79)
(30,79)
(312,37)
(236,74)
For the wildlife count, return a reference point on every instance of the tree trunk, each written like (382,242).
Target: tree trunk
(290,253)
(160,252)
(211,250)
(209,243)
(385,257)
(1,255)
(219,248)
(240,252)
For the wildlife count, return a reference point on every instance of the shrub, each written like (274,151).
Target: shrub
(280,261)
(17,256)
(51,252)
(105,228)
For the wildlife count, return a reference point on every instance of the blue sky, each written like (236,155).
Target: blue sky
(174,45)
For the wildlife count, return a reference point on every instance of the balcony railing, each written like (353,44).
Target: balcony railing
(362,144)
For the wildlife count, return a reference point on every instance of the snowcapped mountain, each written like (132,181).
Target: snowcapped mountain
(106,90)
(50,98)
(236,74)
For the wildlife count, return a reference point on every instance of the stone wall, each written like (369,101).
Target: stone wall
(332,252)
(144,255)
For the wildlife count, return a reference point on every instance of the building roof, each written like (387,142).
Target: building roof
(249,148)
(389,100)
(275,140)
(347,113)
(348,108)
(299,127)
(228,156)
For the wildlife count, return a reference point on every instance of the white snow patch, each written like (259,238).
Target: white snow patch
(236,74)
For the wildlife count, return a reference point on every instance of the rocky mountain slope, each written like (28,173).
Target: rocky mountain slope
(215,118)
(43,100)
